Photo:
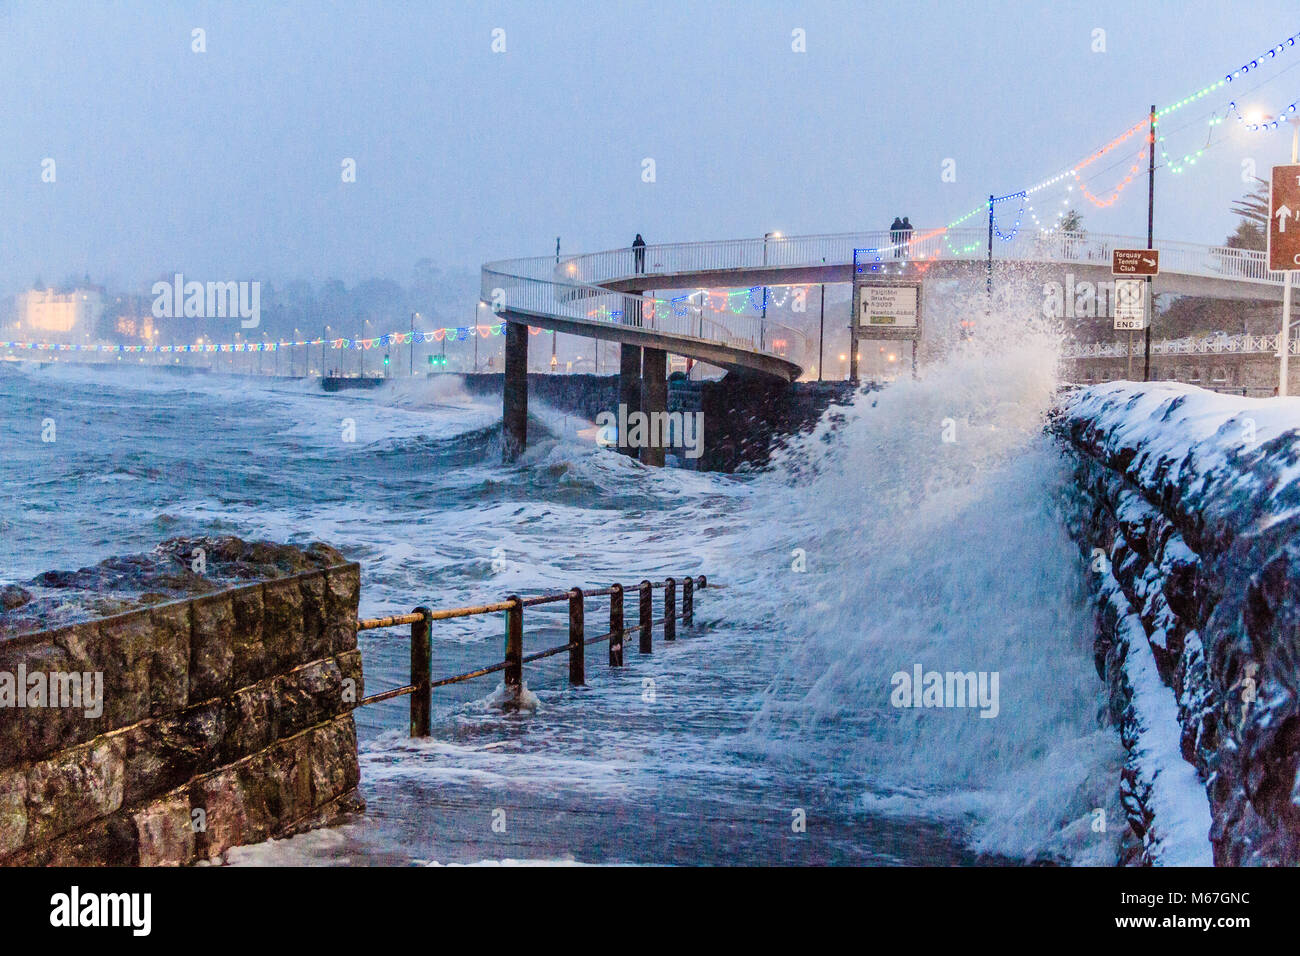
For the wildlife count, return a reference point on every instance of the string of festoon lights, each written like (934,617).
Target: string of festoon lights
(1071,174)
(737,302)
(993,215)
(1261,124)
(1146,126)
(1245,69)
(459,334)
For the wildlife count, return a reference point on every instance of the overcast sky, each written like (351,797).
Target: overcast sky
(226,164)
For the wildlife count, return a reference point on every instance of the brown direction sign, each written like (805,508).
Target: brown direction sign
(1284,220)
(1135,262)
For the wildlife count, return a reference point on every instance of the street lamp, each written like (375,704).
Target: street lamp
(775,234)
(414,316)
(473,331)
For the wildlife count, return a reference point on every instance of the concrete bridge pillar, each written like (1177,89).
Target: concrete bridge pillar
(629,385)
(654,401)
(514,407)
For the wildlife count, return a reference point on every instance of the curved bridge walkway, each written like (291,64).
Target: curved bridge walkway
(604,295)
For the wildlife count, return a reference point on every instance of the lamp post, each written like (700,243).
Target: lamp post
(762,325)
(473,331)
(821,331)
(414,316)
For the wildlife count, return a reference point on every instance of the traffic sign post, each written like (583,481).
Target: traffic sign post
(1284,251)
(1130,297)
(883,309)
(1135,262)
(1130,305)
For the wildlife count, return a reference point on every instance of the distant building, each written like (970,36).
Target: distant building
(45,315)
(130,319)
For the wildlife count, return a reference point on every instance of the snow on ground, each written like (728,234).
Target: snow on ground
(1188,435)
(1180,831)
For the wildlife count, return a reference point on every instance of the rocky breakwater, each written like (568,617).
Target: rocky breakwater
(1188,513)
(162,708)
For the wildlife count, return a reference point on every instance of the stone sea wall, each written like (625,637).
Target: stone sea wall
(744,418)
(223,718)
(1188,511)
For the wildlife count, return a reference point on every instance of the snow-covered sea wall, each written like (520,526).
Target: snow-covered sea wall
(1188,514)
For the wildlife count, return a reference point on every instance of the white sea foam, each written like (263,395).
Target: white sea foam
(919,551)
(946,554)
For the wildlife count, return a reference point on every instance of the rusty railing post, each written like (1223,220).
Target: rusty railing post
(577,649)
(647,610)
(688,601)
(670,609)
(514,673)
(616,626)
(421,674)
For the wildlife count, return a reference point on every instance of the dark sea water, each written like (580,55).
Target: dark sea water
(773,709)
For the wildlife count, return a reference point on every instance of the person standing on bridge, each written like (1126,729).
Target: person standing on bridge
(895,235)
(906,233)
(638,253)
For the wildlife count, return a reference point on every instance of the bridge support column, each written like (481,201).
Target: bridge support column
(514,405)
(654,402)
(629,387)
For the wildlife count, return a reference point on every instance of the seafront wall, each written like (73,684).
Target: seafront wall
(223,719)
(1188,514)
(744,418)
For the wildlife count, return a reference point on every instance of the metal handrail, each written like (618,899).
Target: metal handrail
(575,287)
(422,682)
(1241,344)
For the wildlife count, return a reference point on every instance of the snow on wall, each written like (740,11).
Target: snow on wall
(1190,513)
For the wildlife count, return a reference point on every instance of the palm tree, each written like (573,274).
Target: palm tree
(1251,232)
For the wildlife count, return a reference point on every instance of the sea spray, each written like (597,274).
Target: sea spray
(925,517)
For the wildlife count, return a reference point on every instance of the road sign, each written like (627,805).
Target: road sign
(1284,220)
(1130,305)
(1135,262)
(888,310)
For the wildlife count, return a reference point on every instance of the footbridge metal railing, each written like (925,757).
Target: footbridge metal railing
(965,244)
(540,288)
(575,287)
(421,621)
(1240,344)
